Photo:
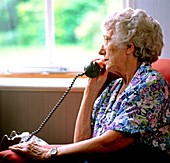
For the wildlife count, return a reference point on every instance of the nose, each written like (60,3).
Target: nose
(102,50)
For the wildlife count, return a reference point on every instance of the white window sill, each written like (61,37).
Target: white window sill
(42,84)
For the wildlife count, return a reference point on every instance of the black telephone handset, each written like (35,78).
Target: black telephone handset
(92,70)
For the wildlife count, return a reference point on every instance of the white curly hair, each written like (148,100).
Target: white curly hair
(135,26)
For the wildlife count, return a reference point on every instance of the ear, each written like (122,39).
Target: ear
(130,49)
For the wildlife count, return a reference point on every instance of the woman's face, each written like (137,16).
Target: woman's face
(114,57)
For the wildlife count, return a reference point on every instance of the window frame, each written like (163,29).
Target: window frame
(50,45)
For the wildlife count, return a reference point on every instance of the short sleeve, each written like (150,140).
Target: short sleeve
(144,109)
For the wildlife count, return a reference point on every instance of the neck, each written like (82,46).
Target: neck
(130,71)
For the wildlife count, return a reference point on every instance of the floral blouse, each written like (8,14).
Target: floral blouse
(143,107)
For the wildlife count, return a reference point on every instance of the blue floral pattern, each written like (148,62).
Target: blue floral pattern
(143,107)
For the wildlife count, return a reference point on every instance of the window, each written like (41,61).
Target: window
(50,36)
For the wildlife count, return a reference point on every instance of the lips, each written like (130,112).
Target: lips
(105,60)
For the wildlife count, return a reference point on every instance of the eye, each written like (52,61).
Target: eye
(106,40)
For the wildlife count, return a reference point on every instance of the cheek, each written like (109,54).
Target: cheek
(111,55)
(110,51)
(114,61)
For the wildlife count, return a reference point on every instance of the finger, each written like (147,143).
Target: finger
(15,146)
(101,63)
(19,146)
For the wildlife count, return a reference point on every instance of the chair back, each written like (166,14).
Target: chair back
(163,66)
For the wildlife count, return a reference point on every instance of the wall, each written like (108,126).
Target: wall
(160,10)
(24,110)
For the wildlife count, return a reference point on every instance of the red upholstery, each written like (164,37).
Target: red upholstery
(11,157)
(163,66)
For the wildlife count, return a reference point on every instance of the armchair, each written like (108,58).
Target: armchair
(163,66)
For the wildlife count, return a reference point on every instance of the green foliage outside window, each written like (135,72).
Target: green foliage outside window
(76,22)
(23,23)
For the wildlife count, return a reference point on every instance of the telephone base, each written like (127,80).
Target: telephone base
(16,138)
(8,141)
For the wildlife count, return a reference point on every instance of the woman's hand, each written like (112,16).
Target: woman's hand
(95,84)
(32,150)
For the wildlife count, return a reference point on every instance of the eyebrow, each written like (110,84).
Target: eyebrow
(106,37)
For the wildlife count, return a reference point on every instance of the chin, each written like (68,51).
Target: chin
(109,68)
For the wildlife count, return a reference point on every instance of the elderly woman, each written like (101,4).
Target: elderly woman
(130,117)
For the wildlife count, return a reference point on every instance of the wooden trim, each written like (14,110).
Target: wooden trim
(37,75)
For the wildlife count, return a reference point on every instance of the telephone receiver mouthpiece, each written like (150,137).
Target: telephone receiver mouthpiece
(92,70)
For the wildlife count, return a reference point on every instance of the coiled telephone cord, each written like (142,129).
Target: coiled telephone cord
(55,107)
